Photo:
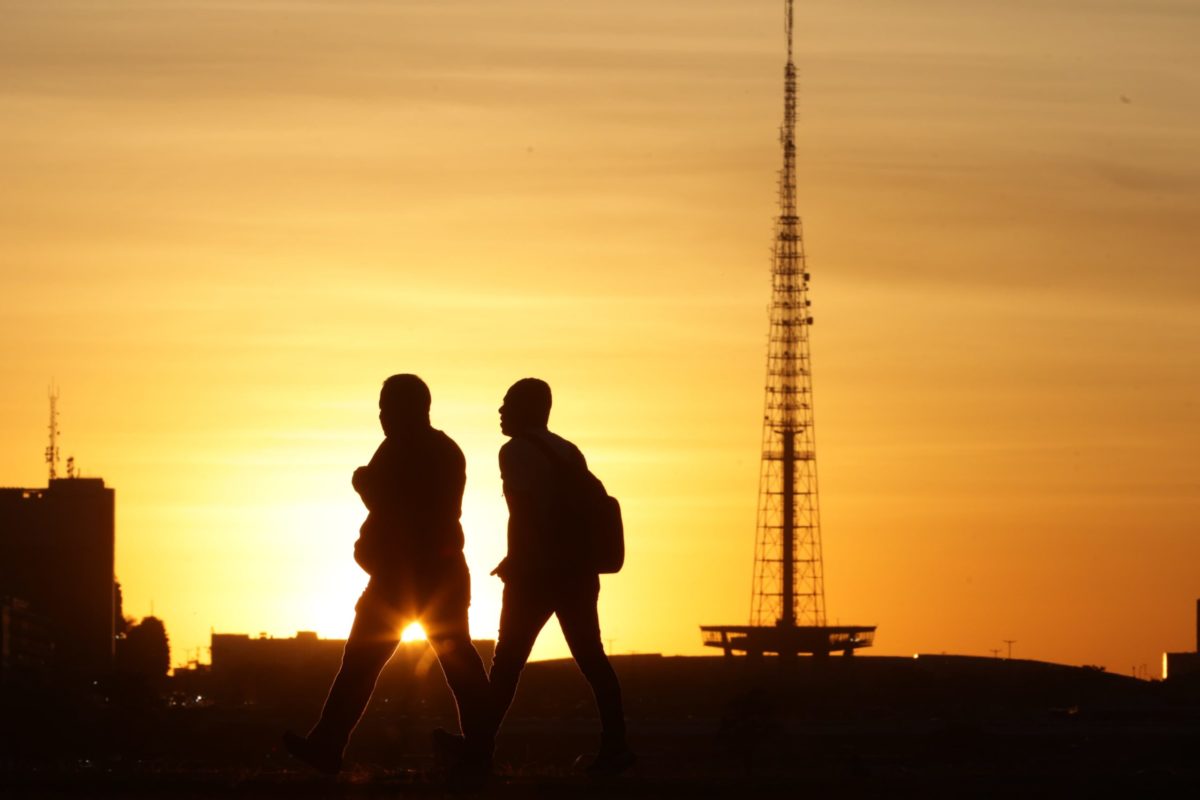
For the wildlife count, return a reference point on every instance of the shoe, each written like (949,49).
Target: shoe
(463,768)
(448,748)
(321,759)
(611,761)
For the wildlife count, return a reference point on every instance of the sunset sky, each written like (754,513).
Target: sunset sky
(222,224)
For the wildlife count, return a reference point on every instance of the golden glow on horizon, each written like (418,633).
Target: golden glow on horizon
(413,633)
(220,241)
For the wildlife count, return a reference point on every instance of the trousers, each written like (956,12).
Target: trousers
(437,598)
(528,604)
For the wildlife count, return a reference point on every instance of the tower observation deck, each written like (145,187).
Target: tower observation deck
(788,601)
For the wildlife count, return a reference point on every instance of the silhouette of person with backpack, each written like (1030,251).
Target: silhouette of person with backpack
(411,545)
(552,566)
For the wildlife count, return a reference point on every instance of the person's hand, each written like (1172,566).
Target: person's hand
(359,479)
(361,556)
(501,570)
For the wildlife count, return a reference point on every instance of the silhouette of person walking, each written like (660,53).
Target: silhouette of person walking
(545,572)
(411,545)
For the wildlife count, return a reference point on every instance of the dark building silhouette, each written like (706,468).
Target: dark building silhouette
(25,642)
(250,665)
(269,670)
(56,558)
(1177,664)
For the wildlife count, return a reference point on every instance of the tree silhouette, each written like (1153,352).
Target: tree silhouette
(145,651)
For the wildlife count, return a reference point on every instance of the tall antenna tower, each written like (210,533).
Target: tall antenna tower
(52,449)
(788,579)
(787,609)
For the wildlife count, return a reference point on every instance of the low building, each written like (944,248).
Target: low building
(269,670)
(1179,664)
(1176,665)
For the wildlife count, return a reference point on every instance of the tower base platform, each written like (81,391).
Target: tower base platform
(793,640)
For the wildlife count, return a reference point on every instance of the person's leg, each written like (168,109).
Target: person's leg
(524,610)
(373,639)
(448,630)
(577,614)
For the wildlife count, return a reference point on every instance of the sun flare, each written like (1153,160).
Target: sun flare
(413,633)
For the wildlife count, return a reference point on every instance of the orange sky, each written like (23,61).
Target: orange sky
(223,224)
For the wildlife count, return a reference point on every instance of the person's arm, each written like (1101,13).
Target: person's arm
(444,500)
(522,509)
(364,554)
(361,480)
(373,482)
(522,515)
(365,481)
(517,480)
(519,496)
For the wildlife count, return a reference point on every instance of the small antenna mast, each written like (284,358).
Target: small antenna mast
(52,449)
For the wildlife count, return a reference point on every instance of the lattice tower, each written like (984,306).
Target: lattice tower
(789,584)
(52,448)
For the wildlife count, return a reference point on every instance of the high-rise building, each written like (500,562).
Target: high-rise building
(56,556)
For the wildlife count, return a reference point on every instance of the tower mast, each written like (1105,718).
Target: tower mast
(52,449)
(787,604)
(789,585)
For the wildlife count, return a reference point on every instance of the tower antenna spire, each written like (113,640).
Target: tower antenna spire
(52,448)
(787,604)
(788,27)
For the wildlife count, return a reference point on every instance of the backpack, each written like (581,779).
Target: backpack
(591,511)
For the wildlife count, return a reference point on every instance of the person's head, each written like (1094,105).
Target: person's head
(526,407)
(403,404)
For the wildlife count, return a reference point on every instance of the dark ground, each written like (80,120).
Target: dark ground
(864,726)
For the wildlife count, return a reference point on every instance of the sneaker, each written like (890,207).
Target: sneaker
(321,759)
(611,761)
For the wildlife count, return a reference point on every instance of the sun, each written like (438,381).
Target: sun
(413,633)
